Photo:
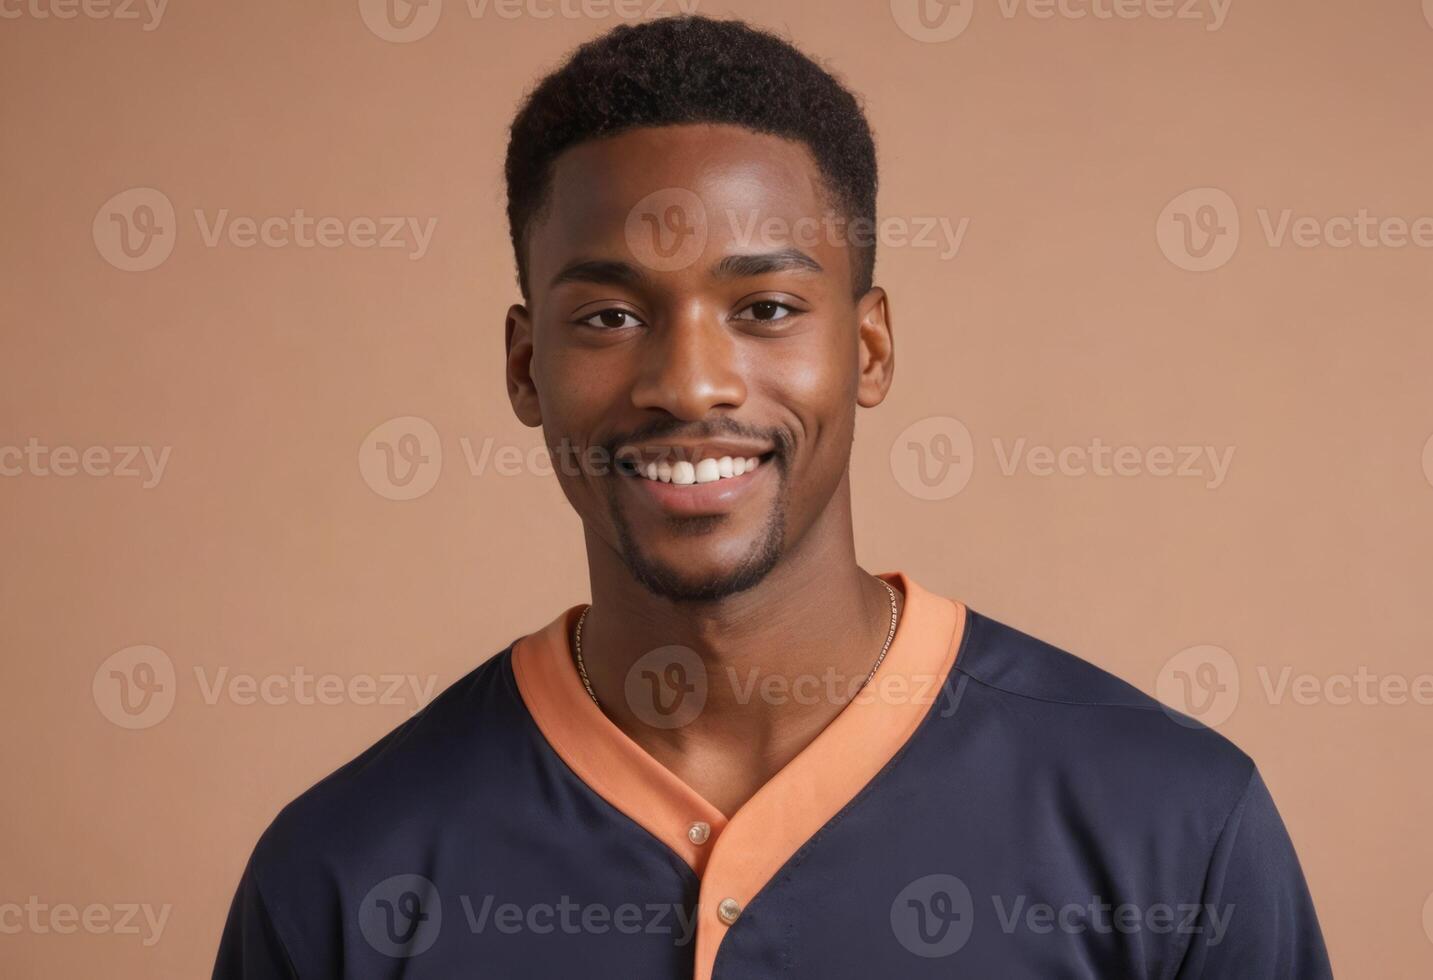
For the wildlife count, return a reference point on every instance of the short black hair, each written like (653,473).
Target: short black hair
(693,69)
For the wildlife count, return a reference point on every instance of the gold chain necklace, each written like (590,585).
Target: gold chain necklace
(582,668)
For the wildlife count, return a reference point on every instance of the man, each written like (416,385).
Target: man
(748,757)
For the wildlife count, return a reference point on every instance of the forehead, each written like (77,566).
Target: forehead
(748,189)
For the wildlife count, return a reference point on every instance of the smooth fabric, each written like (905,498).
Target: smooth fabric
(1039,819)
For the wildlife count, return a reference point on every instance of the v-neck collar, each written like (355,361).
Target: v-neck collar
(735,857)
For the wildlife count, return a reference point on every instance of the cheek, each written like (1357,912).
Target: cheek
(576,393)
(575,402)
(817,388)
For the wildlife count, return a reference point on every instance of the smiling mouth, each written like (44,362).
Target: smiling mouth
(683,473)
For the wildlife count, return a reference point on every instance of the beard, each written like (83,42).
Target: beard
(669,581)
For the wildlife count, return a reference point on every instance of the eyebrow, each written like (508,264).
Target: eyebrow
(616,272)
(600,271)
(790,259)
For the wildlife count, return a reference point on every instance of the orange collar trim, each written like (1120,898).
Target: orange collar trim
(741,854)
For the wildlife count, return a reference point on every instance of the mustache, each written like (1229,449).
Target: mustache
(779,438)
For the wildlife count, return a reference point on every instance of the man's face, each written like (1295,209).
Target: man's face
(691,310)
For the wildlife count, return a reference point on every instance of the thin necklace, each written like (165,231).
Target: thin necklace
(890,635)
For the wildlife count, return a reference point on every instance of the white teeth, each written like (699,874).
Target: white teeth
(709,470)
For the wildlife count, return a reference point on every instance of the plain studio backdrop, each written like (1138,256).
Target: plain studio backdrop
(1161,281)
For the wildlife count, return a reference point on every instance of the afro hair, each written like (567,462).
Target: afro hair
(692,69)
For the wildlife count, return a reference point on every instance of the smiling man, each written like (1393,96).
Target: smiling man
(748,757)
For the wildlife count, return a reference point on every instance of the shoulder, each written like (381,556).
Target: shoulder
(411,775)
(1067,716)
(385,811)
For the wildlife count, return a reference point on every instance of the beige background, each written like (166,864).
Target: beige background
(271,543)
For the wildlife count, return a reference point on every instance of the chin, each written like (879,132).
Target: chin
(701,581)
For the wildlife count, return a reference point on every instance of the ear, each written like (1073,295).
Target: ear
(522,392)
(876,348)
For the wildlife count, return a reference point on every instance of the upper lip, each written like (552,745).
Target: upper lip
(692,452)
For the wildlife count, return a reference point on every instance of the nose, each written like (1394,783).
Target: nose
(689,367)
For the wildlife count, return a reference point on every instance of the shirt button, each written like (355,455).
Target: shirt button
(698,832)
(728,910)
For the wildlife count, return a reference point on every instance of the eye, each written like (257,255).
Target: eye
(765,309)
(610,319)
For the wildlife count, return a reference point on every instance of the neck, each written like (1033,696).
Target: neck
(779,660)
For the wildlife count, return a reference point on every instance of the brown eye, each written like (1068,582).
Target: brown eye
(611,319)
(765,309)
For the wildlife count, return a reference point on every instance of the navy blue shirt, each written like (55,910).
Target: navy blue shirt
(998,808)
